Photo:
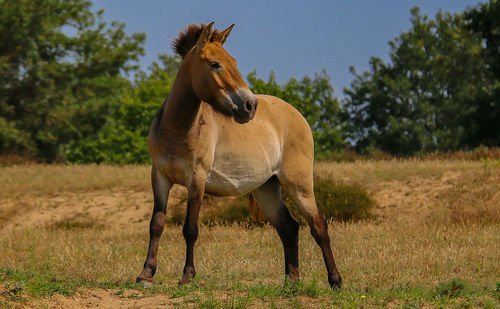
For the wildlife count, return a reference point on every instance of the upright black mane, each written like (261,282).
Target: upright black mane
(188,38)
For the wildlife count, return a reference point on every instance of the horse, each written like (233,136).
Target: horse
(213,135)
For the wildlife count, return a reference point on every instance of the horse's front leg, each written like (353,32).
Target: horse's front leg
(161,188)
(190,229)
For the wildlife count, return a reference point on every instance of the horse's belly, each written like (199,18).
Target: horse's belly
(224,180)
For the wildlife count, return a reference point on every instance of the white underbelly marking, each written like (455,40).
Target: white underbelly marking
(241,169)
(237,182)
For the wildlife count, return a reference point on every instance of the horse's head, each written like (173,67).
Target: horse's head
(213,73)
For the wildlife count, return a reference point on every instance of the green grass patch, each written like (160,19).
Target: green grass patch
(452,288)
(206,292)
(36,283)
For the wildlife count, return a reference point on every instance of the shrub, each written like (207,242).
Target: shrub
(452,288)
(337,201)
(342,202)
(216,211)
(235,212)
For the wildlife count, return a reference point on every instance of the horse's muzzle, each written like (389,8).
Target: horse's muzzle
(245,105)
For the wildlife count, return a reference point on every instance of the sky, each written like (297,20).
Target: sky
(293,38)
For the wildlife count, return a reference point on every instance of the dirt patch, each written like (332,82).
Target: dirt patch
(114,298)
(105,299)
(111,209)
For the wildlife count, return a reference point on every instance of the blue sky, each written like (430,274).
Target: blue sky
(293,38)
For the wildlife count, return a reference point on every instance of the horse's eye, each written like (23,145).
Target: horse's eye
(215,65)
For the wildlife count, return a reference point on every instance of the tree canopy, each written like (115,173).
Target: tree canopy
(435,93)
(71,89)
(123,138)
(62,69)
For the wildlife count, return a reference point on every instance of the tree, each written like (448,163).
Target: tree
(61,70)
(314,99)
(484,19)
(422,99)
(123,139)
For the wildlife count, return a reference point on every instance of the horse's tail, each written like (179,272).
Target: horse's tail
(255,212)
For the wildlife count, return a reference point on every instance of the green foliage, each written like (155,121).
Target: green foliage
(484,20)
(64,94)
(57,87)
(429,96)
(123,138)
(314,99)
(453,288)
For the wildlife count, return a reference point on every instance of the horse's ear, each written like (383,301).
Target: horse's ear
(205,36)
(224,34)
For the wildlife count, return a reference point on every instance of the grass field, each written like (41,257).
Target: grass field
(76,236)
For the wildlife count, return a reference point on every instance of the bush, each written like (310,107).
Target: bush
(342,202)
(235,212)
(216,211)
(337,201)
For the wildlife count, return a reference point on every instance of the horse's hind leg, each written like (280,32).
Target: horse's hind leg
(270,202)
(298,183)
(161,187)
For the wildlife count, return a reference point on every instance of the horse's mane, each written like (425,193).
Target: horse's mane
(188,38)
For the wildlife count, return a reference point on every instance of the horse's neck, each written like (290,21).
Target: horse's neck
(181,111)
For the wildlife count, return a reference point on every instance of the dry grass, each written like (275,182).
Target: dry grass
(370,255)
(436,220)
(36,180)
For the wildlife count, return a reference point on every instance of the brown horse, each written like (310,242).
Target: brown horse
(209,136)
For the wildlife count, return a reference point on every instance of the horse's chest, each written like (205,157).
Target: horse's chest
(177,169)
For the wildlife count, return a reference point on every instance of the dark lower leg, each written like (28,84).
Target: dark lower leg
(155,230)
(190,232)
(288,230)
(319,231)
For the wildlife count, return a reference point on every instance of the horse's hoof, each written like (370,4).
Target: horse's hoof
(184,281)
(335,282)
(145,283)
(187,276)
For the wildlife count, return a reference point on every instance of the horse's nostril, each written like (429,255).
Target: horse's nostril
(248,106)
